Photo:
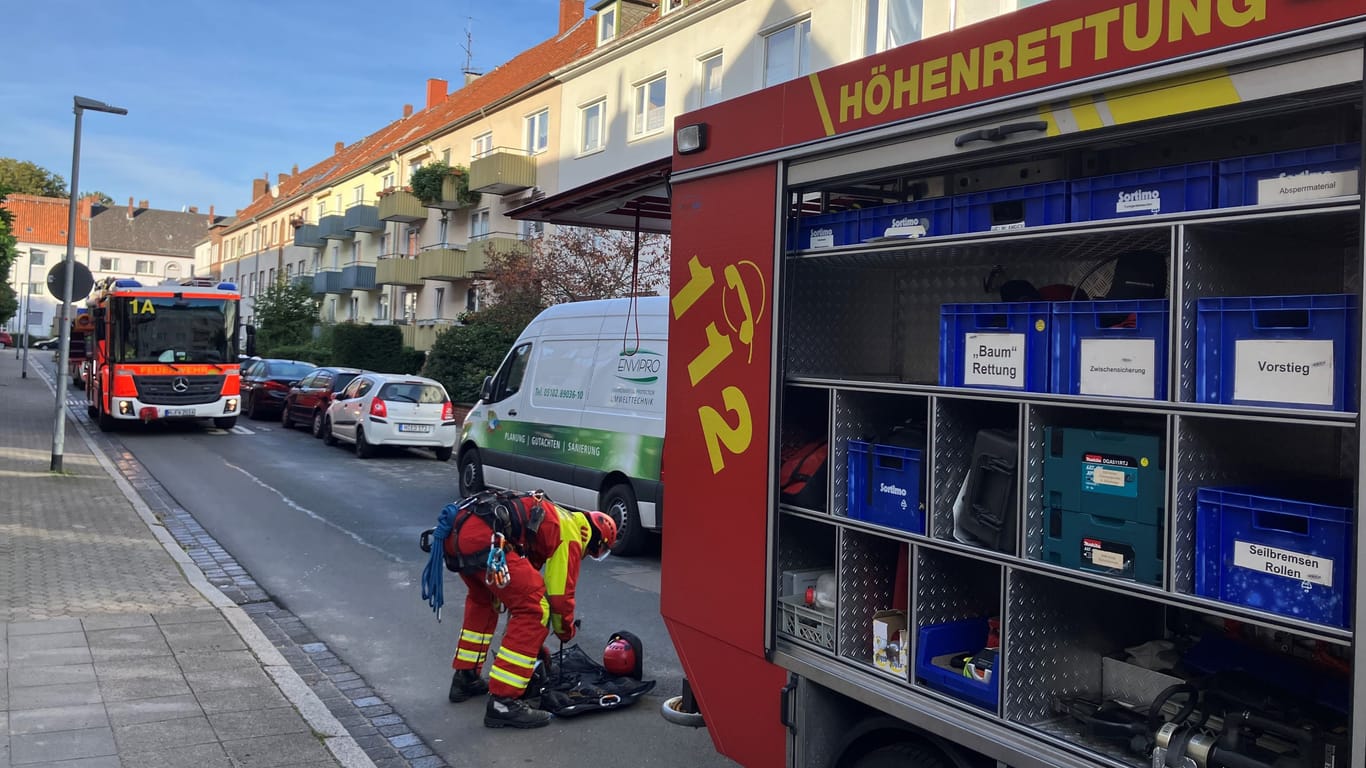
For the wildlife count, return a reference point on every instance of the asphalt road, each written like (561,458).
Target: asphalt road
(334,539)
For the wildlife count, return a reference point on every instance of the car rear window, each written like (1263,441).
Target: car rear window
(290,370)
(413,392)
(342,380)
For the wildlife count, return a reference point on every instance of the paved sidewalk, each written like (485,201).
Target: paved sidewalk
(114,648)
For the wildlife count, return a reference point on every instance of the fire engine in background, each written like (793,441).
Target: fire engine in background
(81,328)
(164,351)
(1057,316)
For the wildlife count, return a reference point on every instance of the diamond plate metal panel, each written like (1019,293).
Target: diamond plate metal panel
(839,321)
(867,578)
(951,588)
(1211,451)
(1056,635)
(956,422)
(804,543)
(1250,258)
(1033,511)
(862,415)
(1069,733)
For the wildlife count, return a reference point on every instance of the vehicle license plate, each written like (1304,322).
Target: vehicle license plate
(173,412)
(414,427)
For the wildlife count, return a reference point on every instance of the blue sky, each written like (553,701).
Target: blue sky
(219,93)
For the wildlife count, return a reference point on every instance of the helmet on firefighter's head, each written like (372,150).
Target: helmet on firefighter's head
(602,535)
(624,655)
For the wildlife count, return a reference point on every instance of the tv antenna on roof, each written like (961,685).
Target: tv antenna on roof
(469,47)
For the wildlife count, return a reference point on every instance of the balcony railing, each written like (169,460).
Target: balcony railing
(480,248)
(442,261)
(306,236)
(363,217)
(358,277)
(402,207)
(503,170)
(395,269)
(327,281)
(333,227)
(302,278)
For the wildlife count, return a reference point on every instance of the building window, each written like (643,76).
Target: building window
(446,156)
(336,257)
(331,309)
(383,307)
(472,299)
(538,132)
(890,23)
(145,266)
(37,258)
(289,270)
(413,165)
(355,251)
(530,229)
(410,305)
(353,312)
(384,244)
(482,145)
(172,270)
(440,300)
(479,224)
(388,182)
(322,209)
(274,232)
(711,78)
(607,24)
(271,276)
(787,53)
(590,126)
(647,115)
(358,194)
(36,289)
(413,233)
(667,6)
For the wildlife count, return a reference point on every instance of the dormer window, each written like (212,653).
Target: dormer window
(607,23)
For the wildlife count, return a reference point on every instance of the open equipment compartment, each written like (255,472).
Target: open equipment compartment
(804,473)
(806,552)
(958,421)
(881,438)
(868,573)
(958,612)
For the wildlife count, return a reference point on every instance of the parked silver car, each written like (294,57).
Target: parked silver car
(378,409)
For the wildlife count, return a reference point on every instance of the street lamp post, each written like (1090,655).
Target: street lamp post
(79,105)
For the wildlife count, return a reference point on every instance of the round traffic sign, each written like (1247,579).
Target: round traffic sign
(81,281)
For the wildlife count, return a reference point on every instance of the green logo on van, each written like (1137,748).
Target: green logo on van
(640,367)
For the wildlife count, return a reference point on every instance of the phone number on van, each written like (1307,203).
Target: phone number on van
(567,394)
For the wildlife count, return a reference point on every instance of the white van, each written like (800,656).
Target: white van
(577,410)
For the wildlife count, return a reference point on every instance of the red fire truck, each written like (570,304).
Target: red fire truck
(1069,302)
(164,351)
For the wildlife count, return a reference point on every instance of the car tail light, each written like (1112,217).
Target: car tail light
(275,385)
(378,408)
(448,411)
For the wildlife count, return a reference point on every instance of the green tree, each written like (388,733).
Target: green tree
(463,355)
(9,301)
(285,315)
(27,178)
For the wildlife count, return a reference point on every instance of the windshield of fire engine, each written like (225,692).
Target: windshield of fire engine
(165,329)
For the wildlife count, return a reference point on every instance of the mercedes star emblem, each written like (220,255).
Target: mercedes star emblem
(181,384)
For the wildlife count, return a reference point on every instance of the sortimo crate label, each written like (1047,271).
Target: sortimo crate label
(1110,474)
(994,360)
(1283,562)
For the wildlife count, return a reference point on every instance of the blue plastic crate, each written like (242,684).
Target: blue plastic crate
(956,637)
(1030,205)
(922,218)
(1296,351)
(884,485)
(1110,348)
(1240,177)
(1143,193)
(827,230)
(1001,345)
(1272,553)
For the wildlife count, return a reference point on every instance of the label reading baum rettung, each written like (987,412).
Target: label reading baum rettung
(994,360)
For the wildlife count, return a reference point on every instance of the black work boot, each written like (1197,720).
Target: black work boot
(513,713)
(466,683)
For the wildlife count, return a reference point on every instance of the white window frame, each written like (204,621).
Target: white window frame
(669,6)
(37,257)
(388,182)
(875,24)
(440,299)
(537,130)
(479,224)
(801,28)
(640,111)
(358,194)
(607,23)
(600,139)
(706,96)
(446,156)
(322,209)
(145,266)
(481,145)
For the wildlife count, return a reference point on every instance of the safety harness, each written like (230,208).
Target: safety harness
(513,521)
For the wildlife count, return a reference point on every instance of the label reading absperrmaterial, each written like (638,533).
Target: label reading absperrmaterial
(1283,371)
(1306,186)
(994,360)
(1283,562)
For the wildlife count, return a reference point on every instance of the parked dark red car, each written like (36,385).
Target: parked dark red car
(307,401)
(265,383)
(6,340)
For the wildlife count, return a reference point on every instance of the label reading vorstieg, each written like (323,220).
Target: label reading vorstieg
(1110,474)
(1283,371)
(1306,186)
(1283,562)
(1118,367)
(994,360)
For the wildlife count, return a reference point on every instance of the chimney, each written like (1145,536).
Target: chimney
(83,208)
(130,209)
(295,171)
(212,218)
(436,91)
(259,187)
(338,147)
(194,209)
(142,204)
(471,76)
(407,110)
(283,178)
(571,13)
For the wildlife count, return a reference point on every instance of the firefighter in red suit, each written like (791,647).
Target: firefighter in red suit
(538,535)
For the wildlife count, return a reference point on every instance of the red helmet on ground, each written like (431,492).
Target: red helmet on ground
(602,536)
(624,655)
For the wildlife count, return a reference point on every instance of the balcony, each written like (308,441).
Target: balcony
(403,207)
(303,278)
(441,262)
(306,236)
(477,257)
(358,277)
(333,227)
(450,196)
(502,171)
(327,281)
(363,217)
(394,269)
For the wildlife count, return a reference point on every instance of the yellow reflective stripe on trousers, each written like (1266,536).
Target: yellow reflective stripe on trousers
(507,678)
(464,655)
(516,659)
(470,636)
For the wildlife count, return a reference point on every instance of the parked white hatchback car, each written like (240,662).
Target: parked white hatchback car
(391,409)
